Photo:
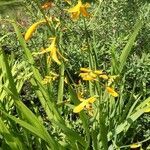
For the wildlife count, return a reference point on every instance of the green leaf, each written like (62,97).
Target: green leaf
(13,142)
(35,130)
(128,47)
(143,104)
(114,58)
(61,84)
(138,111)
(10,2)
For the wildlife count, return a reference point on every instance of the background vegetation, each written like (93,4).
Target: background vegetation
(115,38)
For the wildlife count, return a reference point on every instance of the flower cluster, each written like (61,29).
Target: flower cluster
(90,75)
(75,13)
(93,75)
(54,54)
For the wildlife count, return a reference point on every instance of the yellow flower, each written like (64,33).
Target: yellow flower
(88,74)
(85,70)
(98,72)
(135,145)
(103,76)
(84,104)
(146,110)
(112,92)
(79,9)
(53,51)
(32,29)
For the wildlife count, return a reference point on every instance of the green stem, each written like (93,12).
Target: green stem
(61,84)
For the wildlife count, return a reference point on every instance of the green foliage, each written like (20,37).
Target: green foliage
(38,96)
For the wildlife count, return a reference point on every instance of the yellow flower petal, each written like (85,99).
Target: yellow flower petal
(75,8)
(54,51)
(111,91)
(86,76)
(32,29)
(135,145)
(98,72)
(80,98)
(85,103)
(54,55)
(91,99)
(146,110)
(80,107)
(75,15)
(85,69)
(83,11)
(83,75)
(93,75)
(103,76)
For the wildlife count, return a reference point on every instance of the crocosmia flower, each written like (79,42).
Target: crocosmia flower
(32,29)
(79,9)
(90,75)
(54,53)
(34,26)
(85,103)
(112,92)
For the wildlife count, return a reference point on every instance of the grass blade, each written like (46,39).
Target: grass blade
(10,139)
(128,47)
